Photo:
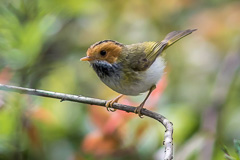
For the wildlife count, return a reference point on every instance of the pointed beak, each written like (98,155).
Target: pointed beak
(87,58)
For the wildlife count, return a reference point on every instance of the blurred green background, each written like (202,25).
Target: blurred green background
(41,42)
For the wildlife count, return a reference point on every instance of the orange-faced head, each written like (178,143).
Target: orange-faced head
(107,50)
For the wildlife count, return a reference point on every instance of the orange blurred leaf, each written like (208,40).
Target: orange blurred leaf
(43,115)
(99,144)
(5,75)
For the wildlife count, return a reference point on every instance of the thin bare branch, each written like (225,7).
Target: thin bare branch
(168,137)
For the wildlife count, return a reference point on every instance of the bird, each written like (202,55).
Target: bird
(131,69)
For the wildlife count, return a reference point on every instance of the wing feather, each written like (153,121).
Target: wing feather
(154,49)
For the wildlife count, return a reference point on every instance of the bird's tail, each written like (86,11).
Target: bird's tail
(170,39)
(174,36)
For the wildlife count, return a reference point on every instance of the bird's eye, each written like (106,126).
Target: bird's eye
(103,52)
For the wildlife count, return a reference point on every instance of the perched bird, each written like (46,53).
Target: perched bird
(131,69)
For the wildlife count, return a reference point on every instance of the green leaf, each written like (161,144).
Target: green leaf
(227,156)
(237,146)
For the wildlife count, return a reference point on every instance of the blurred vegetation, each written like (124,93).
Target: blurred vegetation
(41,42)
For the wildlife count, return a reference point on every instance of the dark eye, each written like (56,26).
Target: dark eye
(103,52)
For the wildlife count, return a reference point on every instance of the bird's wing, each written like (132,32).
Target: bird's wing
(154,49)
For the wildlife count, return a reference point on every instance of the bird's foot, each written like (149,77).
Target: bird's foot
(109,104)
(140,107)
(138,110)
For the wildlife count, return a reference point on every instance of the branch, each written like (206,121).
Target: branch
(168,140)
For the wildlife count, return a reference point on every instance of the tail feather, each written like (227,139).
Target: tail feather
(174,36)
(159,47)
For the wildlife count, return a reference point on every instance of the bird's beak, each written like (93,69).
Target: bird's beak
(87,58)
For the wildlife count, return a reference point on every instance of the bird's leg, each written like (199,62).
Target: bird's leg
(109,103)
(140,107)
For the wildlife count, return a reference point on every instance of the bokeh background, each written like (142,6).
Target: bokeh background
(41,42)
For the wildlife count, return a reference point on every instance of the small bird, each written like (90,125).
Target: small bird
(131,69)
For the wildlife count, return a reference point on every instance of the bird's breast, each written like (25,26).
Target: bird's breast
(127,81)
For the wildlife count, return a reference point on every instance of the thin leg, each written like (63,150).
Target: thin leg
(140,107)
(109,103)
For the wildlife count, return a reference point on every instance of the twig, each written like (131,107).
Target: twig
(168,137)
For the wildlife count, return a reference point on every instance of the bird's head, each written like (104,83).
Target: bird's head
(107,50)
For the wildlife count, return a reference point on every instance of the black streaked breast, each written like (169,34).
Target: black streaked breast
(106,70)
